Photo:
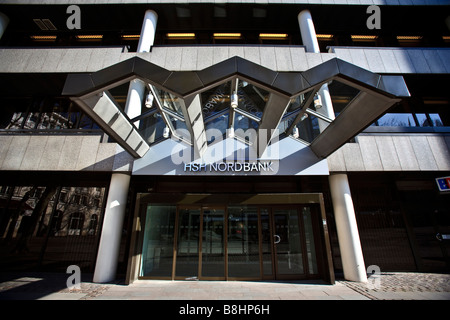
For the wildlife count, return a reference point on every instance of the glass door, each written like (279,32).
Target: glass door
(187,243)
(243,243)
(212,264)
(287,239)
(200,243)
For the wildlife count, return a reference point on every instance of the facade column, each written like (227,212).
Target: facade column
(136,90)
(108,251)
(4,20)
(347,229)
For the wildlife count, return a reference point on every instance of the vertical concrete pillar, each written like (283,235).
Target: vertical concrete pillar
(348,236)
(347,229)
(148,31)
(308,32)
(4,20)
(108,251)
(309,39)
(136,90)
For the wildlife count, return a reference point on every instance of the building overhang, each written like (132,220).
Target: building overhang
(375,95)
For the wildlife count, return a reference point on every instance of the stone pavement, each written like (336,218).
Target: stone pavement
(387,286)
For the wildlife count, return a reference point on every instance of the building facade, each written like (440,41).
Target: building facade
(223,140)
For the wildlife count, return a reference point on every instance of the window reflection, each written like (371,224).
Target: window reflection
(397,120)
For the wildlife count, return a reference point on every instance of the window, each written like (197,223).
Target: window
(49,114)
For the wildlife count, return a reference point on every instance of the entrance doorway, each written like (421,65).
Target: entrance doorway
(243,241)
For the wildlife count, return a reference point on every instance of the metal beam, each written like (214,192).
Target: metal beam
(363,110)
(107,114)
(273,112)
(192,111)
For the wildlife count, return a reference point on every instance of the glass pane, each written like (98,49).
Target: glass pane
(244,126)
(436,120)
(152,127)
(288,246)
(179,127)
(188,243)
(216,99)
(168,101)
(213,243)
(423,120)
(397,120)
(216,128)
(341,95)
(309,235)
(243,244)
(266,246)
(252,99)
(307,128)
(157,251)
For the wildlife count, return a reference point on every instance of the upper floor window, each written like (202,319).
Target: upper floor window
(48,114)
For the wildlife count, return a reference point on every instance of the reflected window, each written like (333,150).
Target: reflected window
(216,100)
(157,250)
(152,127)
(252,99)
(307,129)
(168,101)
(243,242)
(436,120)
(397,120)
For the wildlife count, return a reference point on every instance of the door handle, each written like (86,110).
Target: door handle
(278,239)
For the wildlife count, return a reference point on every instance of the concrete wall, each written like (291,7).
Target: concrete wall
(393,152)
(61,153)
(182,58)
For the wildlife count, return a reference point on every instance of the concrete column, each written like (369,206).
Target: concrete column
(136,90)
(309,39)
(308,32)
(108,251)
(348,236)
(4,20)
(148,31)
(347,229)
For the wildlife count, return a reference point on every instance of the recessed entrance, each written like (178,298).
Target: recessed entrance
(251,239)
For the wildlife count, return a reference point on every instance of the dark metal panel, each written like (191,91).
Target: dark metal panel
(150,72)
(360,113)
(355,73)
(394,85)
(77,84)
(322,72)
(113,73)
(290,83)
(218,72)
(255,72)
(183,83)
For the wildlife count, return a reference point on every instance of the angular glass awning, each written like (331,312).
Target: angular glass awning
(239,99)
